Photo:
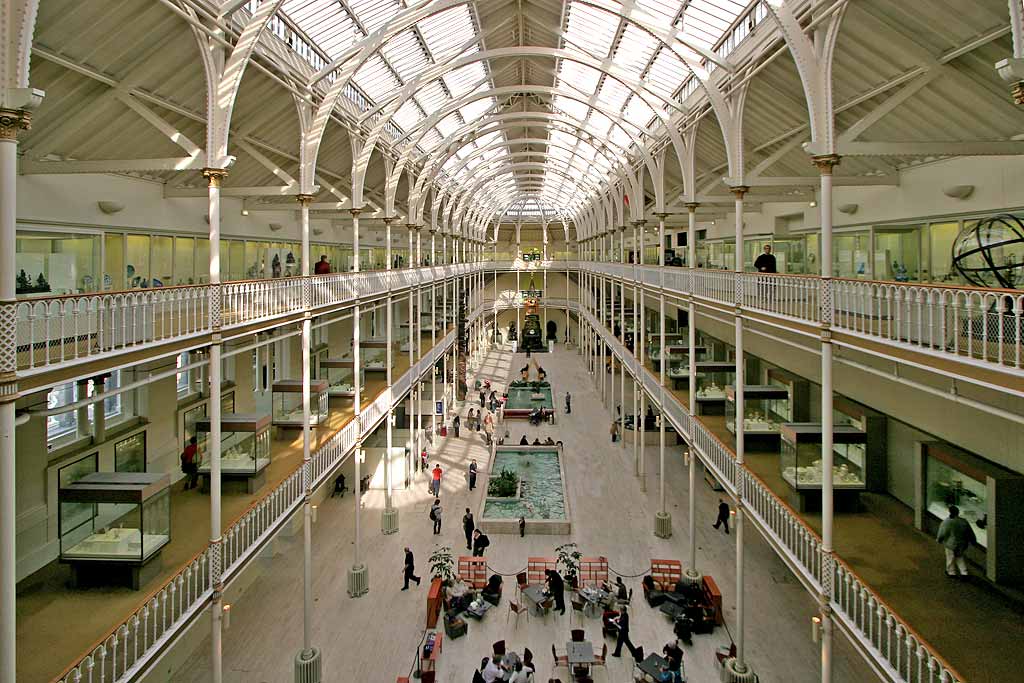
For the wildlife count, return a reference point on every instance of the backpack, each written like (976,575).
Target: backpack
(433,516)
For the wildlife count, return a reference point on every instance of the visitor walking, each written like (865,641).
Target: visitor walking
(190,458)
(472,474)
(765,263)
(323,266)
(456,423)
(469,526)
(568,403)
(615,431)
(622,621)
(469,420)
(723,515)
(435,515)
(956,534)
(480,543)
(489,428)
(435,481)
(483,398)
(522,526)
(409,571)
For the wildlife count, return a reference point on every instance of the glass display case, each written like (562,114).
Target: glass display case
(340,375)
(990,498)
(373,359)
(712,378)
(798,389)
(801,467)
(109,518)
(287,400)
(763,406)
(678,371)
(130,453)
(244,444)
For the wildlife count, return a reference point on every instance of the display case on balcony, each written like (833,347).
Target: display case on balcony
(317,355)
(287,402)
(341,376)
(988,496)
(678,372)
(762,406)
(112,526)
(797,408)
(712,378)
(244,448)
(800,464)
(373,359)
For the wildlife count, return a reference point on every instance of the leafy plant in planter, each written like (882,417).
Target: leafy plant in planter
(442,565)
(504,485)
(569,557)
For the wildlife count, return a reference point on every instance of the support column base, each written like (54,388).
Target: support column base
(732,674)
(358,581)
(308,666)
(663,525)
(389,521)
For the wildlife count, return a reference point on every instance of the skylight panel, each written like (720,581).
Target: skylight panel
(374,13)
(579,76)
(664,11)
(591,27)
(613,94)
(375,78)
(447,31)
(571,107)
(666,74)
(325,21)
(708,20)
(448,125)
(638,111)
(635,50)
(408,115)
(465,79)
(406,56)
(430,141)
(431,96)
(477,108)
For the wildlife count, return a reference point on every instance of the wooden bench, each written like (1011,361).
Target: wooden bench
(666,573)
(433,603)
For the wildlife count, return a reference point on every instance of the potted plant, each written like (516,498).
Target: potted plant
(505,485)
(569,557)
(442,565)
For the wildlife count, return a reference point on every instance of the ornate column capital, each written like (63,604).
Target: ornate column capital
(412,226)
(826,162)
(355,211)
(389,219)
(12,121)
(639,223)
(214,176)
(739,190)
(692,206)
(302,198)
(662,216)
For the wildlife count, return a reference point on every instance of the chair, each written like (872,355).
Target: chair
(562,660)
(578,606)
(498,651)
(602,659)
(521,581)
(578,635)
(517,609)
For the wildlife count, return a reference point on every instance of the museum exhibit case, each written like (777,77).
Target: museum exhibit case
(195,408)
(112,526)
(373,359)
(340,375)
(763,407)
(801,467)
(798,389)
(990,498)
(286,398)
(712,378)
(244,448)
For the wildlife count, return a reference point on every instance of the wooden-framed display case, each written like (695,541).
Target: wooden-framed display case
(762,405)
(287,402)
(113,525)
(990,498)
(800,464)
(713,377)
(244,448)
(340,376)
(798,408)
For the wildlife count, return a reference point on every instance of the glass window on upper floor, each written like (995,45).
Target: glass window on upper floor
(65,424)
(55,263)
(941,238)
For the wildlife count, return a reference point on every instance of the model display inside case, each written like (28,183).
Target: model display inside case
(762,407)
(340,376)
(989,498)
(114,518)
(800,463)
(373,359)
(244,444)
(287,401)
(712,378)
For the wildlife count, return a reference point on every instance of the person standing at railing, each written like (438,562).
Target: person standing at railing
(765,262)
(323,266)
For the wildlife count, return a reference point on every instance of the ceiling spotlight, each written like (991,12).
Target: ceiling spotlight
(813,204)
(245,212)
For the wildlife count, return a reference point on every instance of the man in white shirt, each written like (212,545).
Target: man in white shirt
(491,672)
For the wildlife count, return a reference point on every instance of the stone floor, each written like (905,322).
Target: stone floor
(375,637)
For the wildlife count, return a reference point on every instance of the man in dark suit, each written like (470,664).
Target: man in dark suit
(409,571)
(723,515)
(480,543)
(623,638)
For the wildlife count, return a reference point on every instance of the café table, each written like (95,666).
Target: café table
(595,599)
(535,594)
(651,666)
(478,608)
(671,610)
(580,653)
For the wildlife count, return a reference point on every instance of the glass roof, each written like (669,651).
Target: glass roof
(322,30)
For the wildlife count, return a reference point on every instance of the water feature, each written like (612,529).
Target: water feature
(521,397)
(540,496)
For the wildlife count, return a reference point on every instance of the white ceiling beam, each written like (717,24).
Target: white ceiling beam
(32,167)
(229,7)
(266,191)
(266,162)
(890,103)
(154,119)
(909,149)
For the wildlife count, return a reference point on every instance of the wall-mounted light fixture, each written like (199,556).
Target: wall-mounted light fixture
(958,191)
(109,207)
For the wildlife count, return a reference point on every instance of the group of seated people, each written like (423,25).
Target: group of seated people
(507,666)
(538,415)
(537,442)
(694,616)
